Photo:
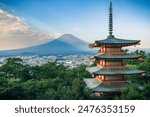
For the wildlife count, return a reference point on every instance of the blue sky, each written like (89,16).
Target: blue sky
(86,19)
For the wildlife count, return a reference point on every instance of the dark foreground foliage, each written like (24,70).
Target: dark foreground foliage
(49,81)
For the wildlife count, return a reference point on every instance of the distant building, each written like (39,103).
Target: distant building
(110,72)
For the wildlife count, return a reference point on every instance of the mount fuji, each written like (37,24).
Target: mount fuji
(66,44)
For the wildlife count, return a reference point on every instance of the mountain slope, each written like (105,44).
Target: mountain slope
(66,44)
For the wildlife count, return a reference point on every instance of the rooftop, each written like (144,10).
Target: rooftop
(112,71)
(116,56)
(98,86)
(117,41)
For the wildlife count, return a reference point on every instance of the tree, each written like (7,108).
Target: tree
(14,69)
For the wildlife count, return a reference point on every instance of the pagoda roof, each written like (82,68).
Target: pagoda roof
(117,56)
(98,86)
(114,41)
(112,71)
(117,41)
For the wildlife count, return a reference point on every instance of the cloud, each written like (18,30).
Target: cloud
(16,33)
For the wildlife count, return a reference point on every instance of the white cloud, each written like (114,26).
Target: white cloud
(16,33)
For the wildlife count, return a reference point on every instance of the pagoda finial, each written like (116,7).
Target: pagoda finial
(110,22)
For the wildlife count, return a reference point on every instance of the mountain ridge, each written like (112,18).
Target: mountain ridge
(65,44)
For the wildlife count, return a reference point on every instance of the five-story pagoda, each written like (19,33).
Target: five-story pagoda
(110,72)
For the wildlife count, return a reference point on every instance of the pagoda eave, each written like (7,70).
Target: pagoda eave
(97,86)
(111,45)
(117,41)
(118,73)
(129,72)
(116,56)
(114,42)
(113,71)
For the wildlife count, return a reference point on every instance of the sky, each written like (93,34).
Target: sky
(25,23)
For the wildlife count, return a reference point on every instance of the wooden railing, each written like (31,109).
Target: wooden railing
(112,52)
(111,80)
(118,80)
(111,66)
(120,66)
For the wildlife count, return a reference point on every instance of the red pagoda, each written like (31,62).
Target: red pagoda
(110,73)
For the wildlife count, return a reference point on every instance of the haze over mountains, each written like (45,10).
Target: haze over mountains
(66,44)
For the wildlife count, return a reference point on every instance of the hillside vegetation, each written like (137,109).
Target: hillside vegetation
(52,81)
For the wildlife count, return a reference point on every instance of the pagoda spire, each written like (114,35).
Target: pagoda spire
(110,22)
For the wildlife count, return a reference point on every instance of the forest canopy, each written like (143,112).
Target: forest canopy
(57,82)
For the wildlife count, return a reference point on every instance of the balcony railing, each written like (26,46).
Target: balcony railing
(112,52)
(111,66)
(118,80)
